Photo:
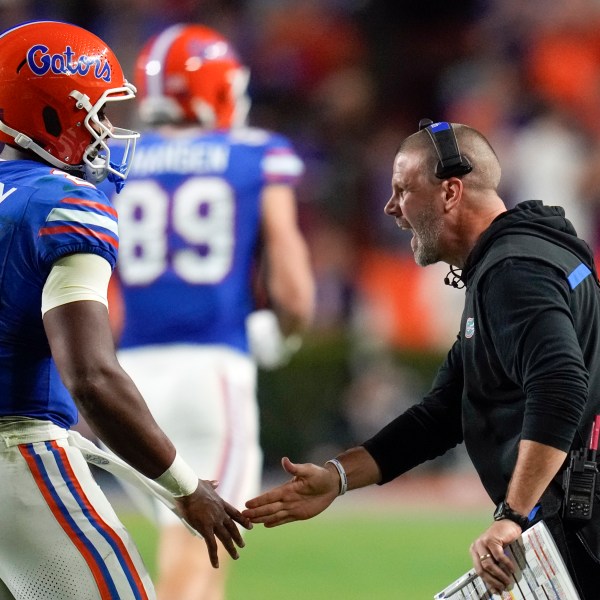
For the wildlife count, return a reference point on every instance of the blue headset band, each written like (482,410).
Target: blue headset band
(451,162)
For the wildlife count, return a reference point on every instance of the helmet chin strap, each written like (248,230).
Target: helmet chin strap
(95,171)
(27,143)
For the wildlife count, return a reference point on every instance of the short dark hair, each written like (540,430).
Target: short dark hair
(473,145)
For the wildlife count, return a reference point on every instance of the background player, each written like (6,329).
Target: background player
(59,537)
(204,199)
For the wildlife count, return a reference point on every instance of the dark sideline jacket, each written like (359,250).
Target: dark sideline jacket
(526,363)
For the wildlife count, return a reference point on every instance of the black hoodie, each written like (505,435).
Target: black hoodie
(526,364)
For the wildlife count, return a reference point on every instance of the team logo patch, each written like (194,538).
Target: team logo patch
(97,460)
(40,62)
(470,327)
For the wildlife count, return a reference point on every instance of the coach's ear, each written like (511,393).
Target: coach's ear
(453,190)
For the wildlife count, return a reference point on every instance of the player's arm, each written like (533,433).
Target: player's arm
(76,321)
(82,347)
(274,334)
(288,273)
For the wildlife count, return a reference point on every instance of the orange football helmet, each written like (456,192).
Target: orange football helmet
(190,73)
(55,81)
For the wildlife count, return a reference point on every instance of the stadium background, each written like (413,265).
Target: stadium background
(346,80)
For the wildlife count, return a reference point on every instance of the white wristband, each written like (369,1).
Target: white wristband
(179,479)
(343,477)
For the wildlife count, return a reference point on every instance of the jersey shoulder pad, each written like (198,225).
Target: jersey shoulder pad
(249,136)
(280,162)
(72,215)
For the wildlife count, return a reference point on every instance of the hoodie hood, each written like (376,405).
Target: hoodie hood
(535,219)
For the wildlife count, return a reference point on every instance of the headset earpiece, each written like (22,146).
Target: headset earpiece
(451,162)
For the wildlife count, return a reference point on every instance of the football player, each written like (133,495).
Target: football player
(206,196)
(59,536)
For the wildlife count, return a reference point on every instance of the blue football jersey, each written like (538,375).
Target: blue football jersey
(45,214)
(189,223)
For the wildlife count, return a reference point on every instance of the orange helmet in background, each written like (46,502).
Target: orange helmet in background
(191,73)
(55,81)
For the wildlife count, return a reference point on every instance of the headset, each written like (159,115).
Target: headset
(451,162)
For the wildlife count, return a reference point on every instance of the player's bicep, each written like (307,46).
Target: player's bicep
(279,211)
(74,309)
(82,347)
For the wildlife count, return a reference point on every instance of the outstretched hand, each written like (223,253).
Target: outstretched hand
(309,493)
(213,518)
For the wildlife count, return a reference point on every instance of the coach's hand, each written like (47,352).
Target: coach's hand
(309,493)
(487,551)
(213,518)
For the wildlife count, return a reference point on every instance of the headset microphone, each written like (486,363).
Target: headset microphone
(451,162)
(456,282)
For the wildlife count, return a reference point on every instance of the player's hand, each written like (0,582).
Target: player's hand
(309,493)
(268,346)
(213,518)
(490,562)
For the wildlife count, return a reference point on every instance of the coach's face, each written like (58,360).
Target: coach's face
(416,205)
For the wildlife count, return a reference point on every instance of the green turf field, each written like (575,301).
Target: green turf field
(346,555)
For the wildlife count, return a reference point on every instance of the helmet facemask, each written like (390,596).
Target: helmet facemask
(96,157)
(96,163)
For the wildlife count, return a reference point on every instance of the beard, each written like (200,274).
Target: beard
(427,230)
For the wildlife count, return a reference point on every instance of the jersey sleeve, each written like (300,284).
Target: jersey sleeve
(280,163)
(79,219)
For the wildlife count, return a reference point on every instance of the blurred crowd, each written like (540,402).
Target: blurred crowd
(347,80)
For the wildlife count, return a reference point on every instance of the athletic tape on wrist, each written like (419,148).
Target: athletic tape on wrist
(179,479)
(342,472)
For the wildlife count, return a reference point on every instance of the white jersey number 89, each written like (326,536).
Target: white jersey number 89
(202,213)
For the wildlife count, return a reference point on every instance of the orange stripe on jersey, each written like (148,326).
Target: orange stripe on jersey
(105,593)
(91,204)
(111,532)
(82,230)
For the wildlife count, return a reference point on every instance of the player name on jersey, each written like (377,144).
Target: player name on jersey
(180,157)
